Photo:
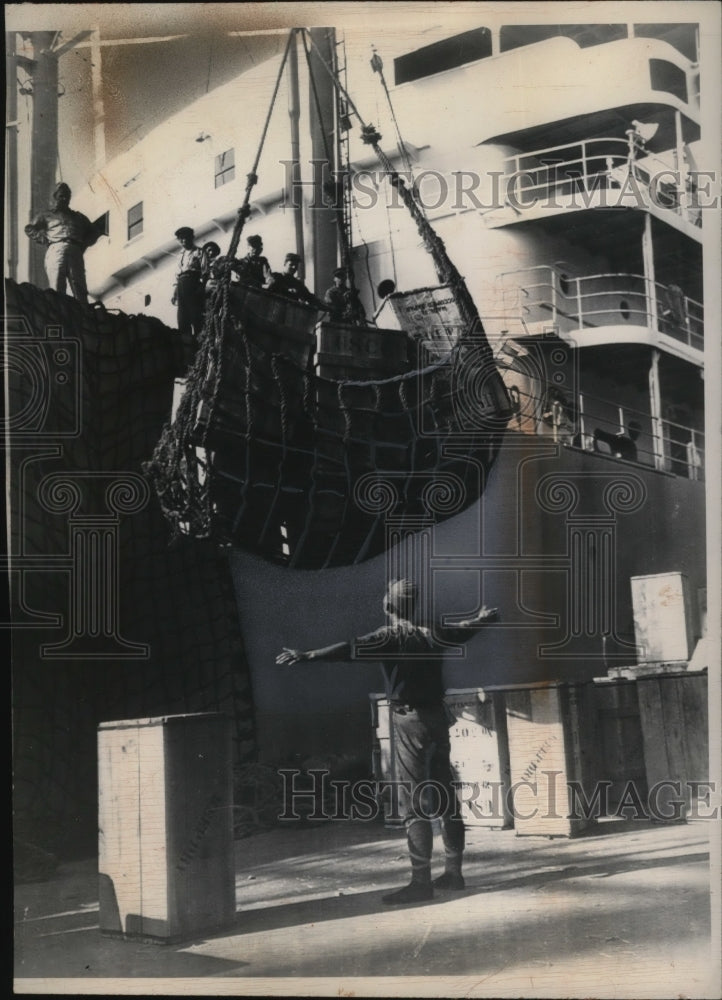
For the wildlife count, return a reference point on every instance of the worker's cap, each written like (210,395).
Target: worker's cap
(401,597)
(340,272)
(254,241)
(62,188)
(184,231)
(293,257)
(211,247)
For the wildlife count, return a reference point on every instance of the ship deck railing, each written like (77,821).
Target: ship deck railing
(581,174)
(546,294)
(661,444)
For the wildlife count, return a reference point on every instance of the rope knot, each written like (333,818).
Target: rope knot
(370,135)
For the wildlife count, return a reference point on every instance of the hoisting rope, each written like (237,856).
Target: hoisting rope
(377,66)
(252,178)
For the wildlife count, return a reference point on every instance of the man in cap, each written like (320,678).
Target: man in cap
(253,269)
(212,269)
(290,287)
(343,303)
(67,234)
(335,297)
(412,663)
(188,289)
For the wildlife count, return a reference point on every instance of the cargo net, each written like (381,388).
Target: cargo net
(108,621)
(306,466)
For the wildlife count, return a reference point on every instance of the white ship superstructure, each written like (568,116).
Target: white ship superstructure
(573,211)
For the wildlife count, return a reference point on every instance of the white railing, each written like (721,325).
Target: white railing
(591,423)
(597,172)
(547,295)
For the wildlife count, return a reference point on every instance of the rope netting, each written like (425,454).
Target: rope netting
(108,621)
(273,455)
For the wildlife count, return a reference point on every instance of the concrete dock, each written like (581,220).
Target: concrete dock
(621,912)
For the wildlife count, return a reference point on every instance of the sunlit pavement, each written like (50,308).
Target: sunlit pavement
(624,913)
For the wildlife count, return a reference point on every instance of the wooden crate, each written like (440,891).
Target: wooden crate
(621,750)
(480,756)
(674,714)
(360,352)
(165,826)
(547,726)
(664,622)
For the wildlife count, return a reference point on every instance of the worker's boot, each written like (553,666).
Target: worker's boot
(452,832)
(420,839)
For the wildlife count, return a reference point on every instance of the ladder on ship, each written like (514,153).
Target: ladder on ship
(343,153)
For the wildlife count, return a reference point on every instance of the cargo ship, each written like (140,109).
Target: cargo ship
(574,220)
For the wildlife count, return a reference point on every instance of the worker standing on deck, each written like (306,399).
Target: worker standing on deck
(335,297)
(211,269)
(342,302)
(253,269)
(412,663)
(188,290)
(67,235)
(290,287)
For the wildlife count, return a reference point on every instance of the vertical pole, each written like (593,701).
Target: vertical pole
(650,286)
(681,165)
(294,113)
(44,141)
(655,410)
(11,160)
(324,135)
(580,304)
(582,423)
(98,104)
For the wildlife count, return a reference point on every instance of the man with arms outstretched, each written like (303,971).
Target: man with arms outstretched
(412,663)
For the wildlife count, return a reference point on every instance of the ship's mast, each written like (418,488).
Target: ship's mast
(294,113)
(324,125)
(446,270)
(42,68)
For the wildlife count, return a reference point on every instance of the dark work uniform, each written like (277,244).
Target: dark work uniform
(253,270)
(335,299)
(190,298)
(412,664)
(292,288)
(344,305)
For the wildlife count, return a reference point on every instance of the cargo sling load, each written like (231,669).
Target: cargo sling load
(298,440)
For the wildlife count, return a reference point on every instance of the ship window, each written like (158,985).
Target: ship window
(135,220)
(514,36)
(225,167)
(447,54)
(668,77)
(682,36)
(102,224)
